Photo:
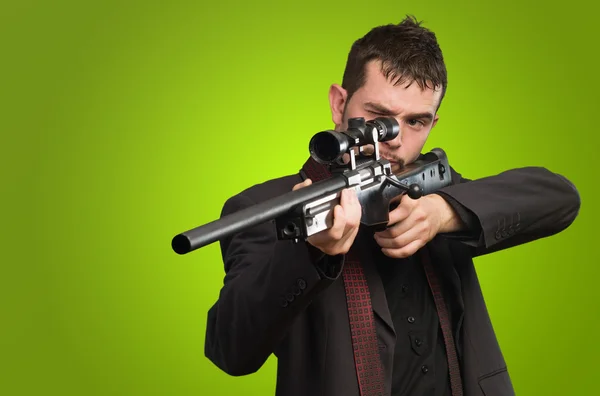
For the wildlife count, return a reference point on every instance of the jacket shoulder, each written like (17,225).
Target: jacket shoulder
(269,189)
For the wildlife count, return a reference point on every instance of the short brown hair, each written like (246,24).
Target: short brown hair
(408,52)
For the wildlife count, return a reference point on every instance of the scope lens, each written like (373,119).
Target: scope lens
(327,146)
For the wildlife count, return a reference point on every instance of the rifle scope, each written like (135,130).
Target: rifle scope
(329,146)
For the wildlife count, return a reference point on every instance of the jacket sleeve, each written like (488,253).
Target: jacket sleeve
(267,284)
(511,208)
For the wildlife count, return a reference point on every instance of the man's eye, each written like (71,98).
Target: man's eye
(415,122)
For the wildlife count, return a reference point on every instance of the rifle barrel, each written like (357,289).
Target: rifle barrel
(256,214)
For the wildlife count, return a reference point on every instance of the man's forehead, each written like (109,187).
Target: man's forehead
(394,92)
(399,98)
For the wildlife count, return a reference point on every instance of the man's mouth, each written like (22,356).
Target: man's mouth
(397,165)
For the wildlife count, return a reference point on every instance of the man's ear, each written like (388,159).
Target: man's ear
(435,120)
(337,103)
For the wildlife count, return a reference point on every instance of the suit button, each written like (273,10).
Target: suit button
(418,342)
(411,319)
(296,290)
(424,369)
(289,297)
(301,284)
(498,235)
(283,302)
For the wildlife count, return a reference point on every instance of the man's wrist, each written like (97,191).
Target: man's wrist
(450,221)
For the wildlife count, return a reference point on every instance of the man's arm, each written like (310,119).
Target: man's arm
(512,208)
(267,284)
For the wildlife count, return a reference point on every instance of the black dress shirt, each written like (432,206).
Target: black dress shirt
(420,360)
(420,365)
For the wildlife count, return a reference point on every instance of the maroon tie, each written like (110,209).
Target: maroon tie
(369,368)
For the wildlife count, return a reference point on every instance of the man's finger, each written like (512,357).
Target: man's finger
(398,215)
(305,183)
(403,210)
(339,222)
(400,241)
(401,227)
(352,210)
(404,252)
(336,231)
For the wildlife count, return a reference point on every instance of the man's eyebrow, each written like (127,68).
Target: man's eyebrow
(413,116)
(384,110)
(379,108)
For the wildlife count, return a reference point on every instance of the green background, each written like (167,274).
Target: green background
(124,123)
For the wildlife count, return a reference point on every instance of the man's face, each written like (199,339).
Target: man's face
(413,108)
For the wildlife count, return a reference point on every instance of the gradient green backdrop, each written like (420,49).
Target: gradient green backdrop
(125,123)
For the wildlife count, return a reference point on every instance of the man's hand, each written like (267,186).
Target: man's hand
(346,219)
(414,223)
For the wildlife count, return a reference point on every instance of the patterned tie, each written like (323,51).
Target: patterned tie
(369,368)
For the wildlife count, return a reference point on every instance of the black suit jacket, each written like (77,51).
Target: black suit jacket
(277,300)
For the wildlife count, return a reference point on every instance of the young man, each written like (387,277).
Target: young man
(399,312)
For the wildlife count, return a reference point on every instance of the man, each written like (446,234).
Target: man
(423,327)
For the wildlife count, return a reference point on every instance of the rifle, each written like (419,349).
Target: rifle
(307,211)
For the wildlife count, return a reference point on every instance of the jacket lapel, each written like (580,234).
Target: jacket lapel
(443,261)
